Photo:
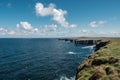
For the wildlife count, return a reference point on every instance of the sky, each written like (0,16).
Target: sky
(59,18)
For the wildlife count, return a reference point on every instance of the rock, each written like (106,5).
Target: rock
(94,77)
(91,56)
(98,73)
(101,44)
(84,65)
(113,60)
(105,47)
(99,61)
(108,70)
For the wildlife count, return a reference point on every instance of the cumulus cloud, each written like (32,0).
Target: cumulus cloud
(54,31)
(41,10)
(12,32)
(58,15)
(3,31)
(84,31)
(25,29)
(97,24)
(26,26)
(52,27)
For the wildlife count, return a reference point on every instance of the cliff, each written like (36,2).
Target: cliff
(103,64)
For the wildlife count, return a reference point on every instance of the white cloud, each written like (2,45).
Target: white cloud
(54,31)
(52,27)
(12,32)
(26,26)
(84,31)
(93,24)
(3,31)
(25,29)
(73,25)
(17,25)
(58,15)
(41,10)
(115,33)
(97,24)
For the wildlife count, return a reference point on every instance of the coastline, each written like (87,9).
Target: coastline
(103,64)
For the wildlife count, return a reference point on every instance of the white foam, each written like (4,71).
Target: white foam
(71,53)
(66,78)
(90,47)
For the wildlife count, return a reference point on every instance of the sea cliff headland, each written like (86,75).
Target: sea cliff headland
(103,64)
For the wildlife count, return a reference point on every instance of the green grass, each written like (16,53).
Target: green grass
(103,64)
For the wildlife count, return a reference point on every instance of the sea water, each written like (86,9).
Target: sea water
(40,59)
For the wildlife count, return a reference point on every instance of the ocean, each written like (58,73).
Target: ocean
(40,59)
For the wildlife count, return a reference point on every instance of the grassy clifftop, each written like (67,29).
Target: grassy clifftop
(103,64)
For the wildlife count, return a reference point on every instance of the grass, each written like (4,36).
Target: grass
(103,64)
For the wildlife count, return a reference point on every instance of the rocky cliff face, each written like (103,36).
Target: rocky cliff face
(104,64)
(101,44)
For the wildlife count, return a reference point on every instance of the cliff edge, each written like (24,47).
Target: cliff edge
(103,64)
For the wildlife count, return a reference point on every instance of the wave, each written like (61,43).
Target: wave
(71,53)
(66,78)
(90,47)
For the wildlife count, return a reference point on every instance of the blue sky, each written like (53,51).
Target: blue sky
(59,18)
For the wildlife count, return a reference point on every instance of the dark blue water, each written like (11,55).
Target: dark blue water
(39,59)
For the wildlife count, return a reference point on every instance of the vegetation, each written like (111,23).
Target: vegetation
(103,64)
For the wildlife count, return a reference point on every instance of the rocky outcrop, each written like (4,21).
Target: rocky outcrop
(82,41)
(101,44)
(99,61)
